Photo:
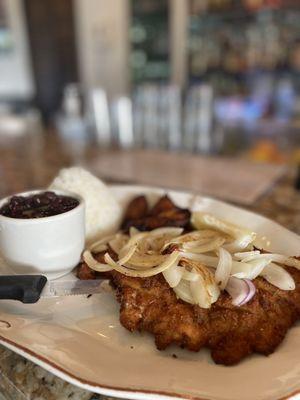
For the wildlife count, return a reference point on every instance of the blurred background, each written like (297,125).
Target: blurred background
(208,77)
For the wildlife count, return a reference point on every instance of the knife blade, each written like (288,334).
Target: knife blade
(72,288)
(30,288)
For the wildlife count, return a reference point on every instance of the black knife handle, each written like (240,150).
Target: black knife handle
(26,288)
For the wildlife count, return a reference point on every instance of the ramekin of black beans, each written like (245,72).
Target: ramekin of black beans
(38,205)
(42,232)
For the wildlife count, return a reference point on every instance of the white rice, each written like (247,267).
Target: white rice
(103,213)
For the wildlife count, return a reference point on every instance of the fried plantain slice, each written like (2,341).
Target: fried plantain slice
(136,209)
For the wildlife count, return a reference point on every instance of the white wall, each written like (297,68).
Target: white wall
(103,46)
(15,68)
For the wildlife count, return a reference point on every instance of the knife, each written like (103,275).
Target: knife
(30,288)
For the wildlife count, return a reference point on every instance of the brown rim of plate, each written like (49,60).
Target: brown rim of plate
(120,389)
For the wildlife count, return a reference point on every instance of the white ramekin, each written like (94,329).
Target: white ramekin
(50,246)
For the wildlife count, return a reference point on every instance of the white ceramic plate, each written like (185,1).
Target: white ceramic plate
(81,340)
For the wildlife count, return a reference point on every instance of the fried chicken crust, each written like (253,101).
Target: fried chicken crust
(230,332)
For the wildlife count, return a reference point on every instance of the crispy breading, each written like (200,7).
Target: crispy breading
(230,332)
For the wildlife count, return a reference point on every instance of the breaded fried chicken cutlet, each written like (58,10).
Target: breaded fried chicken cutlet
(231,332)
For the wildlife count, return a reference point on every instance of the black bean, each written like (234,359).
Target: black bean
(39,205)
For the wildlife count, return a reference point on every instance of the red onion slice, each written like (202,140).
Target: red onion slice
(241,290)
(252,290)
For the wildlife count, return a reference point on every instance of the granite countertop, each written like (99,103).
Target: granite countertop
(20,379)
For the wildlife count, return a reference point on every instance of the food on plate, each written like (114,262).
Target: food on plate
(196,281)
(164,213)
(42,232)
(38,205)
(103,212)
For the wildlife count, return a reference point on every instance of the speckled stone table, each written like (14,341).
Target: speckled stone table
(21,379)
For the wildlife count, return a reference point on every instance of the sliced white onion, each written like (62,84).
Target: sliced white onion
(145,238)
(126,257)
(189,275)
(173,275)
(99,248)
(136,238)
(89,259)
(197,247)
(94,264)
(270,256)
(118,242)
(239,244)
(147,260)
(168,230)
(183,292)
(278,258)
(100,242)
(243,255)
(141,255)
(205,280)
(282,259)
(200,236)
(214,292)
(210,261)
(243,236)
(200,293)
(170,260)
(224,266)
(135,267)
(241,290)
(241,270)
(278,277)
(204,294)
(249,270)
(262,242)
(273,257)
